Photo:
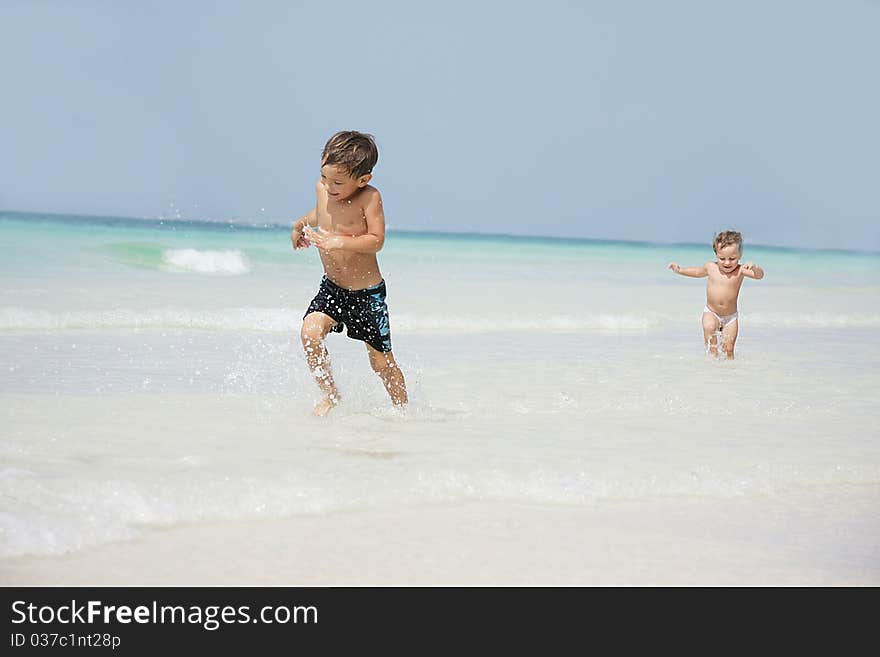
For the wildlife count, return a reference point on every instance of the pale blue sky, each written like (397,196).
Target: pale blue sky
(660,121)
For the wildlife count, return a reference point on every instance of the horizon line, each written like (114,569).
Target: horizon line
(265,225)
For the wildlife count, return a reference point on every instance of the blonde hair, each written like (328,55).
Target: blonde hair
(726,237)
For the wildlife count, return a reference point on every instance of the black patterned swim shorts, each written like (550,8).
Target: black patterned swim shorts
(363,312)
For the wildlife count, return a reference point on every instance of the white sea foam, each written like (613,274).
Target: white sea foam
(206,262)
(64,515)
(284,320)
(256,319)
(814,320)
(594,322)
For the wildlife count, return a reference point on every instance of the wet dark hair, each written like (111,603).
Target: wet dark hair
(356,152)
(726,237)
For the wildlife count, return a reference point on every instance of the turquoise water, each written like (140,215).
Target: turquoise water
(92,242)
(59,263)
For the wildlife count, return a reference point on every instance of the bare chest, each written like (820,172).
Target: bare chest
(343,218)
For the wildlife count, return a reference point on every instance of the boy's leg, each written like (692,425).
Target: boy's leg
(314,329)
(711,324)
(728,338)
(385,366)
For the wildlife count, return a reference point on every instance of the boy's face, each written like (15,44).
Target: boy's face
(728,257)
(339,183)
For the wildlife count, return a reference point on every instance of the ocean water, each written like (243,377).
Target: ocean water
(151,378)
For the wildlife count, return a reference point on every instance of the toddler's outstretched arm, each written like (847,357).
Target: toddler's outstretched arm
(693,272)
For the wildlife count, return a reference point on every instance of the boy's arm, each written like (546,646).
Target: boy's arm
(308,219)
(370,242)
(751,270)
(693,272)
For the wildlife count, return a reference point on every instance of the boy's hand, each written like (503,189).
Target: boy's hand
(324,240)
(749,265)
(674,267)
(298,239)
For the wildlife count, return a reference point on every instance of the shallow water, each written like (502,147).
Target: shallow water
(152,378)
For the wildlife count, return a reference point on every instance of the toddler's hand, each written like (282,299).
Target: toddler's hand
(674,267)
(749,265)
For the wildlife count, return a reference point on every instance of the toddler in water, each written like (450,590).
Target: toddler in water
(347,225)
(722,290)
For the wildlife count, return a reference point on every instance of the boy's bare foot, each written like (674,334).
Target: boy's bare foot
(325,406)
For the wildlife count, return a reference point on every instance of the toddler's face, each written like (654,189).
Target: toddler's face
(728,257)
(338,183)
